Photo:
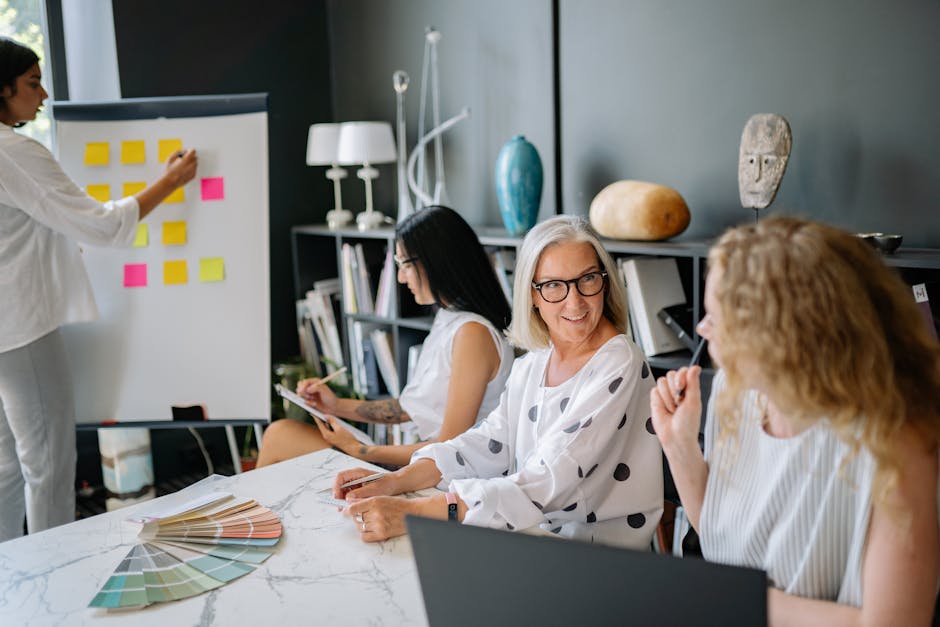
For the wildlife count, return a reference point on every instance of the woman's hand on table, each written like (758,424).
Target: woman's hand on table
(382,517)
(379,487)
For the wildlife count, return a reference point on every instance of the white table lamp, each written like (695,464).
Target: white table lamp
(323,149)
(367,143)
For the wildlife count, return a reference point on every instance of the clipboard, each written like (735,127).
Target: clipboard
(298,400)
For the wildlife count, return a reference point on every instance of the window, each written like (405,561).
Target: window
(22,21)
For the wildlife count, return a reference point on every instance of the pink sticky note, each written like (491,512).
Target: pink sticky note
(213,188)
(135,275)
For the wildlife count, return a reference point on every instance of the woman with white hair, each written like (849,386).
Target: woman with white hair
(569,448)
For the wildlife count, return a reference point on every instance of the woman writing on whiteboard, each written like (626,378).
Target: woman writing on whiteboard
(463,365)
(43,214)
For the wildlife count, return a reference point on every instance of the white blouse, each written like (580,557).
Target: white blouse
(796,507)
(43,213)
(579,459)
(425,397)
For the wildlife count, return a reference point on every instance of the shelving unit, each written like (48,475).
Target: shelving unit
(316,255)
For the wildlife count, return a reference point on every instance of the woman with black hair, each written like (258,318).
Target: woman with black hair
(43,213)
(463,365)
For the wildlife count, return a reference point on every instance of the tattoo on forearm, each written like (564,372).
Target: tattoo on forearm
(363,450)
(382,411)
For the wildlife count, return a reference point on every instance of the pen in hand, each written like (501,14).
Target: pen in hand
(363,480)
(696,356)
(332,376)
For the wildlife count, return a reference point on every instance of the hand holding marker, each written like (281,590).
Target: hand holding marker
(696,356)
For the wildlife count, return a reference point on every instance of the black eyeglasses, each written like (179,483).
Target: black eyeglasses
(401,263)
(556,290)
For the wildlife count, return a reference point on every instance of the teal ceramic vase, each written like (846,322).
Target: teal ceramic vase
(518,185)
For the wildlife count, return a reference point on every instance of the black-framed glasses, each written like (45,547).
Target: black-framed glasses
(401,263)
(556,290)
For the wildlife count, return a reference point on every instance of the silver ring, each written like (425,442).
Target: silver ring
(359,518)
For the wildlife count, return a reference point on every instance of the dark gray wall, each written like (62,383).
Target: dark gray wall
(494,56)
(659,90)
(229,47)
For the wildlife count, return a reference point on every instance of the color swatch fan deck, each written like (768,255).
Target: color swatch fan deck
(201,545)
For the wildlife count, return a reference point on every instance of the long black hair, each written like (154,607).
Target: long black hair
(15,60)
(458,270)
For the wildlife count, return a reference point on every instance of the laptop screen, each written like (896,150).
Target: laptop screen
(476,576)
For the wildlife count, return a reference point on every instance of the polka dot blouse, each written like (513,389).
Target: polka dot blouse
(578,459)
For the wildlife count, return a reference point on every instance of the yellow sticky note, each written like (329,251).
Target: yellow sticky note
(96,153)
(142,239)
(211,269)
(133,151)
(100,193)
(166,147)
(174,272)
(132,188)
(174,233)
(175,197)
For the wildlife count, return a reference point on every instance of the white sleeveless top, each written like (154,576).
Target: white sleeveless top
(787,505)
(425,396)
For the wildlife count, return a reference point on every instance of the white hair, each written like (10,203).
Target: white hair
(528,331)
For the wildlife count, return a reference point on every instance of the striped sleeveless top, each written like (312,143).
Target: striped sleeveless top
(787,505)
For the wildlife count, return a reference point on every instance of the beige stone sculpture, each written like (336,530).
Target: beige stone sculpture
(640,211)
(762,159)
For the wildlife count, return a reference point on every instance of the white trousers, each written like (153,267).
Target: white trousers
(37,437)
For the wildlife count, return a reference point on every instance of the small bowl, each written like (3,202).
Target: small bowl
(887,243)
(870,238)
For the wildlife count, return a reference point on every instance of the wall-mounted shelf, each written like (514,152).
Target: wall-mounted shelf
(316,254)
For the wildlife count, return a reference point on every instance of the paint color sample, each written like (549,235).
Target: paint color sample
(97,153)
(186,550)
(213,188)
(174,233)
(132,188)
(176,197)
(135,275)
(211,269)
(142,239)
(166,147)
(101,193)
(133,151)
(174,272)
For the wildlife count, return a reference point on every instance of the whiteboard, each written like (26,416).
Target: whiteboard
(201,341)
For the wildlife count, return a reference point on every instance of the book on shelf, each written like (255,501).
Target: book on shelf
(504,263)
(384,305)
(327,286)
(357,356)
(370,368)
(381,341)
(321,314)
(679,318)
(363,282)
(653,283)
(923,304)
(346,272)
(307,337)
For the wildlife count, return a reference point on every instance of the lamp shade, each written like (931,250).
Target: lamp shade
(323,144)
(366,142)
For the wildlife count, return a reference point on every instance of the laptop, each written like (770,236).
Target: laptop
(475,576)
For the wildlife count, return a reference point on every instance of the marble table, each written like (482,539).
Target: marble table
(322,573)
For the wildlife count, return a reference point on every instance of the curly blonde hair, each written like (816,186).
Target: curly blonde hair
(836,331)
